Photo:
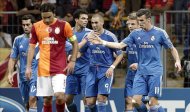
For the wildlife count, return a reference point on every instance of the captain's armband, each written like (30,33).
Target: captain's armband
(73,38)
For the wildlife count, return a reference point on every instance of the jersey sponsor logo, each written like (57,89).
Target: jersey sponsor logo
(146,45)
(132,52)
(49,40)
(98,51)
(57,30)
(9,105)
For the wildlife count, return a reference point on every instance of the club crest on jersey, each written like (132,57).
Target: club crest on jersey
(152,38)
(138,38)
(57,30)
(49,29)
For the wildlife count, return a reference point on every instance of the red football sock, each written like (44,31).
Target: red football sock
(60,108)
(47,108)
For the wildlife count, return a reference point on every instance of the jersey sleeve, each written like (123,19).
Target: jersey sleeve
(68,47)
(129,40)
(68,31)
(166,42)
(33,36)
(116,51)
(15,49)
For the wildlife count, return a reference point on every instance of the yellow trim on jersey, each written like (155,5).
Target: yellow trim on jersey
(73,38)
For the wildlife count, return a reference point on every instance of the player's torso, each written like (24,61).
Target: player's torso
(51,40)
(149,49)
(82,63)
(101,55)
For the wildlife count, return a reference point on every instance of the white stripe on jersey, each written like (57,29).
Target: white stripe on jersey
(111,35)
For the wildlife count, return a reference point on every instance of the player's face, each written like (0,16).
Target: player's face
(96,23)
(132,24)
(27,26)
(143,21)
(83,20)
(47,17)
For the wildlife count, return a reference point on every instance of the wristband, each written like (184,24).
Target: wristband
(72,60)
(112,66)
(104,43)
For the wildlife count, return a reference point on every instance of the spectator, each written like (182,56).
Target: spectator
(5,40)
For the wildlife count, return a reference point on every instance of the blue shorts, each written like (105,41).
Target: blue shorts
(75,84)
(148,84)
(128,90)
(97,82)
(27,88)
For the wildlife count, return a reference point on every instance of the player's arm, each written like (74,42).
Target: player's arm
(98,40)
(118,59)
(11,65)
(176,57)
(74,50)
(30,56)
(72,38)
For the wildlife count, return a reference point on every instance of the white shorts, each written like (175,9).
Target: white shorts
(48,85)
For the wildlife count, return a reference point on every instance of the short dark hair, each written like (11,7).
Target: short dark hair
(132,15)
(47,7)
(29,16)
(78,12)
(145,12)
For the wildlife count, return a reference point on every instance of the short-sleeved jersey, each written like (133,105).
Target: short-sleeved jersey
(102,55)
(19,51)
(149,45)
(82,63)
(51,39)
(131,58)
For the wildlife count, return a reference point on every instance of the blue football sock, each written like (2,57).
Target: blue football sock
(32,110)
(72,107)
(156,108)
(92,108)
(141,108)
(101,106)
(86,109)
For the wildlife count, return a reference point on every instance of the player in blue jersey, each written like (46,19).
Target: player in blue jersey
(102,65)
(149,41)
(131,53)
(19,51)
(76,82)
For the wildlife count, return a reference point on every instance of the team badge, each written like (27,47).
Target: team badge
(139,38)
(49,29)
(152,38)
(57,30)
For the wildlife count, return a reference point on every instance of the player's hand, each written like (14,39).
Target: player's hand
(10,79)
(133,66)
(70,67)
(178,66)
(28,73)
(109,72)
(94,38)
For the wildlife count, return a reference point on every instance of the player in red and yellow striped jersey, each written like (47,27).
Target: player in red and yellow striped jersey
(51,35)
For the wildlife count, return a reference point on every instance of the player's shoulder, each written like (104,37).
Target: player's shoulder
(87,30)
(110,35)
(19,37)
(160,30)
